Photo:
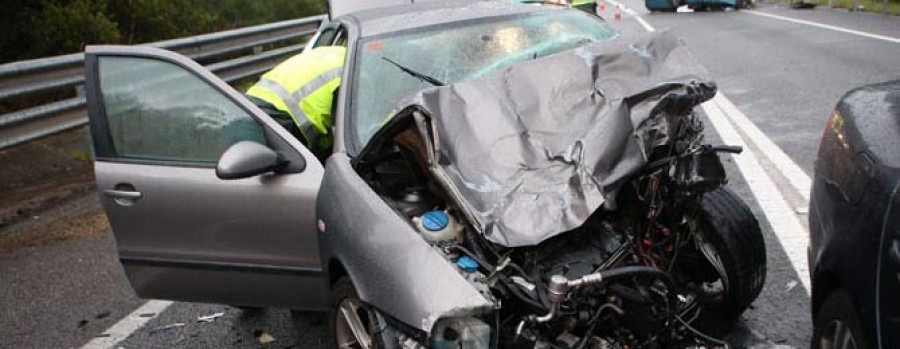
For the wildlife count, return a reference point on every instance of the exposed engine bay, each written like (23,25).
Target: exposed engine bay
(650,264)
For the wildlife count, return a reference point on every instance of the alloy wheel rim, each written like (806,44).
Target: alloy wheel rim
(837,335)
(352,330)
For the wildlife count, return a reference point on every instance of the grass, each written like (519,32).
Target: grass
(868,5)
(92,223)
(83,156)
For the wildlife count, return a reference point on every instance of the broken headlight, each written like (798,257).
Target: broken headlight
(465,333)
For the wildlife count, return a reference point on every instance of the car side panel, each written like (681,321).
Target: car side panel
(393,268)
(850,194)
(839,229)
(889,275)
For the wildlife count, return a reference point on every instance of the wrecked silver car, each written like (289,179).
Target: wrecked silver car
(502,176)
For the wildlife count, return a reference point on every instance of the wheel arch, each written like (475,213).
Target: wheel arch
(823,285)
(335,271)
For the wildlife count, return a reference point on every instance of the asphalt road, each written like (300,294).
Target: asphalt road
(784,76)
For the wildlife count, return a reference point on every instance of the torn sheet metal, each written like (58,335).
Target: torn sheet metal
(536,148)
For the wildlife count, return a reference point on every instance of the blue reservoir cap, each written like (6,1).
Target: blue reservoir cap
(435,220)
(467,264)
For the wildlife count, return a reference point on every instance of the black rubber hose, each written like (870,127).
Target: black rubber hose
(519,270)
(536,306)
(474,243)
(541,288)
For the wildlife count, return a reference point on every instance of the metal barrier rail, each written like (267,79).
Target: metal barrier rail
(232,55)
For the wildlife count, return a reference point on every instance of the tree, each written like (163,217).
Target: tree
(69,27)
(39,28)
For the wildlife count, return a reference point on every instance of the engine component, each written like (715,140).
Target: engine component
(438,226)
(467,264)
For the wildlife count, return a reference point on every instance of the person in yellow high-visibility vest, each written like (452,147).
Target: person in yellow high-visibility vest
(303,88)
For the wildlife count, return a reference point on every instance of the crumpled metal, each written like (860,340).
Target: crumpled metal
(534,149)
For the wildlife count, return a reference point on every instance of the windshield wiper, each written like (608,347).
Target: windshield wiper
(415,74)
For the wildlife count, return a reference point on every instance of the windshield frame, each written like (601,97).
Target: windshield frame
(354,145)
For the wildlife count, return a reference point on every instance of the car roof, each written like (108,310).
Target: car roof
(421,14)
(337,8)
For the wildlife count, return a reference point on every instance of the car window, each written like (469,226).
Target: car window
(458,52)
(156,110)
(326,38)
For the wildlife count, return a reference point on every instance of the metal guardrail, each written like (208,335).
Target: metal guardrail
(232,55)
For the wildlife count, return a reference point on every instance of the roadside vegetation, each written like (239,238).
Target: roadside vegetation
(33,29)
(875,6)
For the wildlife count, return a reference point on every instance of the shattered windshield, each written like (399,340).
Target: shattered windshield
(457,52)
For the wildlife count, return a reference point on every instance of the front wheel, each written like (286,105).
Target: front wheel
(353,324)
(837,326)
(729,237)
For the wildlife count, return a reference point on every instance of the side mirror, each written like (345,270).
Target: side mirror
(247,159)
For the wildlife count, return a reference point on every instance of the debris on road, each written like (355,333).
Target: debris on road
(265,338)
(790,286)
(210,318)
(166,327)
(148,315)
(102,315)
(802,210)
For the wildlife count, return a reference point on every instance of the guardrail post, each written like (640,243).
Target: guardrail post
(884,6)
(79,90)
(257,50)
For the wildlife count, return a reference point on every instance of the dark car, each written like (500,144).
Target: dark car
(854,223)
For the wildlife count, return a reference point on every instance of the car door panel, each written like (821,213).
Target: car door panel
(158,124)
(212,235)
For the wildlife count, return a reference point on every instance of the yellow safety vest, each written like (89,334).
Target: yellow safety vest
(303,86)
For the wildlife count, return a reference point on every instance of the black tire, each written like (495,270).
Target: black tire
(382,336)
(733,232)
(837,307)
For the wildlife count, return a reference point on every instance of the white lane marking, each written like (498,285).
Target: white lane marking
(128,325)
(788,168)
(634,15)
(781,217)
(644,23)
(786,226)
(825,26)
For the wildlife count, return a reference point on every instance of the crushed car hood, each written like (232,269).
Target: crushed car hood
(533,150)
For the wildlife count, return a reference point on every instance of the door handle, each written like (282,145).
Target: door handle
(123,194)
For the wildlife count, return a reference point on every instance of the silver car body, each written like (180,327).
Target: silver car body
(156,122)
